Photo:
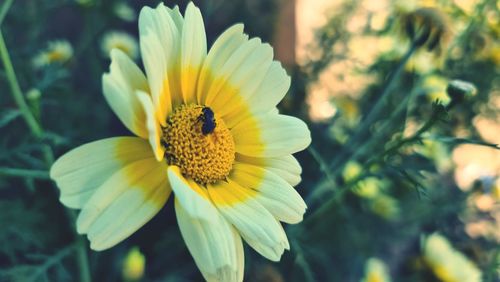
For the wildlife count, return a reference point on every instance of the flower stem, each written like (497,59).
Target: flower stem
(19,172)
(16,90)
(37,130)
(3,11)
(378,109)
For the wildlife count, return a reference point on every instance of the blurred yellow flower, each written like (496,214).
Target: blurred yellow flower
(376,271)
(133,265)
(435,88)
(120,40)
(207,129)
(351,171)
(385,206)
(369,187)
(438,152)
(57,51)
(495,190)
(448,264)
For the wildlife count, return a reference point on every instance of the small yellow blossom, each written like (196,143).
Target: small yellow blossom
(120,40)
(369,187)
(435,88)
(133,265)
(385,206)
(57,51)
(376,271)
(351,171)
(448,264)
(495,189)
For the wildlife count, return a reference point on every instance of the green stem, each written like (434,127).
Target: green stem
(322,164)
(50,262)
(374,114)
(16,90)
(19,172)
(3,11)
(36,129)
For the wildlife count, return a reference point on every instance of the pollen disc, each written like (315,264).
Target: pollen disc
(206,158)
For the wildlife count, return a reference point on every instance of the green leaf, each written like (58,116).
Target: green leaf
(8,116)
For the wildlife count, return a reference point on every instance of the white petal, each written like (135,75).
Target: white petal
(194,51)
(222,49)
(271,91)
(274,193)
(124,203)
(271,252)
(190,195)
(160,48)
(240,76)
(286,167)
(152,125)
(79,172)
(254,223)
(215,246)
(271,135)
(119,86)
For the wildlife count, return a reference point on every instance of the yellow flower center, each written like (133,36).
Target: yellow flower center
(199,143)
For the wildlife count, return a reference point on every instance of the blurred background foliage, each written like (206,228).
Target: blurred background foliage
(402,178)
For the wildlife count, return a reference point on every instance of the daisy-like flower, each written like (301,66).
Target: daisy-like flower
(448,264)
(376,271)
(57,51)
(207,129)
(120,40)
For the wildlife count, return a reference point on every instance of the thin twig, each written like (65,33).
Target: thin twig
(36,129)
(5,8)
(16,90)
(322,164)
(51,261)
(29,173)
(378,109)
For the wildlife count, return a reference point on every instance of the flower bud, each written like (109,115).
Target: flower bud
(425,27)
(458,90)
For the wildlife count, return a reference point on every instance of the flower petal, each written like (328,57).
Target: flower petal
(124,203)
(286,167)
(190,195)
(222,49)
(119,86)
(160,37)
(152,125)
(79,172)
(215,246)
(239,77)
(194,51)
(270,135)
(255,224)
(274,193)
(271,91)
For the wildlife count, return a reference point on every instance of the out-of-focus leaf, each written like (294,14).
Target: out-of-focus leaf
(457,141)
(8,116)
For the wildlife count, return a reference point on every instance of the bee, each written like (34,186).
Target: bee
(208,119)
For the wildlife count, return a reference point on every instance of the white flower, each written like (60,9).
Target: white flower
(376,271)
(208,131)
(448,264)
(120,40)
(59,51)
